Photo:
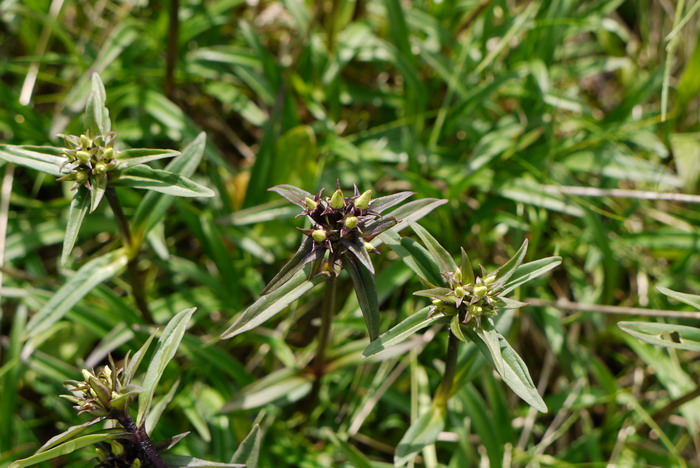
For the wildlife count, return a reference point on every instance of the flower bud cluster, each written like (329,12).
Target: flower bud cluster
(88,158)
(99,394)
(337,218)
(470,300)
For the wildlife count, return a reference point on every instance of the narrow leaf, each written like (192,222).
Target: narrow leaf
(283,386)
(99,185)
(466,268)
(403,330)
(506,271)
(69,447)
(455,327)
(69,433)
(165,182)
(292,193)
(136,156)
(82,282)
(40,158)
(442,257)
(96,117)
(249,449)
(154,205)
(690,299)
(384,203)
(413,211)
(423,431)
(76,213)
(415,257)
(271,304)
(515,373)
(185,461)
(366,292)
(303,255)
(492,339)
(134,363)
(165,350)
(528,272)
(357,249)
(668,335)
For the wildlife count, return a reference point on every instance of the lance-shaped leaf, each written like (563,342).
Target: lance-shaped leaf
(690,299)
(136,156)
(82,282)
(249,449)
(358,250)
(41,158)
(133,364)
(505,303)
(366,292)
(154,205)
(444,294)
(99,185)
(415,256)
(528,272)
(466,268)
(442,257)
(384,203)
(413,211)
(492,339)
(70,446)
(424,431)
(515,373)
(165,350)
(403,330)
(271,304)
(303,256)
(166,182)
(76,213)
(96,117)
(456,328)
(376,227)
(68,434)
(293,194)
(283,386)
(504,272)
(668,335)
(174,461)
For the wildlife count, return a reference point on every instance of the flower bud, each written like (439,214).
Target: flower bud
(319,235)
(108,153)
(85,141)
(362,202)
(457,275)
(351,222)
(489,279)
(81,176)
(475,310)
(136,463)
(117,448)
(337,200)
(460,292)
(437,302)
(82,156)
(480,291)
(100,168)
(369,247)
(310,203)
(101,454)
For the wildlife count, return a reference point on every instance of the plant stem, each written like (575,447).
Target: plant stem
(326,320)
(132,270)
(150,454)
(445,391)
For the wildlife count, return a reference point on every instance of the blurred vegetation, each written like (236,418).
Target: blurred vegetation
(501,107)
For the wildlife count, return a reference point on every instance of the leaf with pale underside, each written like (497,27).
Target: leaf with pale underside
(293,194)
(366,292)
(46,159)
(403,330)
(668,335)
(144,177)
(79,206)
(136,156)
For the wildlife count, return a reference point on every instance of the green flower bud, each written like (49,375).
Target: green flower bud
(117,448)
(457,275)
(100,168)
(362,202)
(101,454)
(475,310)
(489,279)
(319,235)
(82,156)
(108,153)
(460,292)
(351,222)
(480,291)
(87,374)
(369,247)
(437,302)
(81,176)
(337,200)
(310,203)
(85,141)
(136,463)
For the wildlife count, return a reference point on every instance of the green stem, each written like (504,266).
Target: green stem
(445,391)
(132,270)
(326,320)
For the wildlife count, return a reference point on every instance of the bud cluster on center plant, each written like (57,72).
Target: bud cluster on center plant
(469,300)
(88,158)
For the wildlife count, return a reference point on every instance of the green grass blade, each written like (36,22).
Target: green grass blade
(668,335)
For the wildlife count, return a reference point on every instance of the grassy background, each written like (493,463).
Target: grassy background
(490,104)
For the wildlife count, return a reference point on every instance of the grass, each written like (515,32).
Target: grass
(489,104)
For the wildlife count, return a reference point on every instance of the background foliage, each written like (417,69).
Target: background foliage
(501,107)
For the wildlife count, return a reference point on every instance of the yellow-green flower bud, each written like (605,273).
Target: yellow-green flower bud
(136,463)
(362,202)
(101,454)
(310,203)
(81,176)
(460,292)
(82,156)
(108,153)
(337,200)
(87,374)
(475,309)
(437,302)
(457,275)
(85,141)
(351,222)
(480,291)
(319,235)
(100,168)
(489,279)
(368,246)
(117,448)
